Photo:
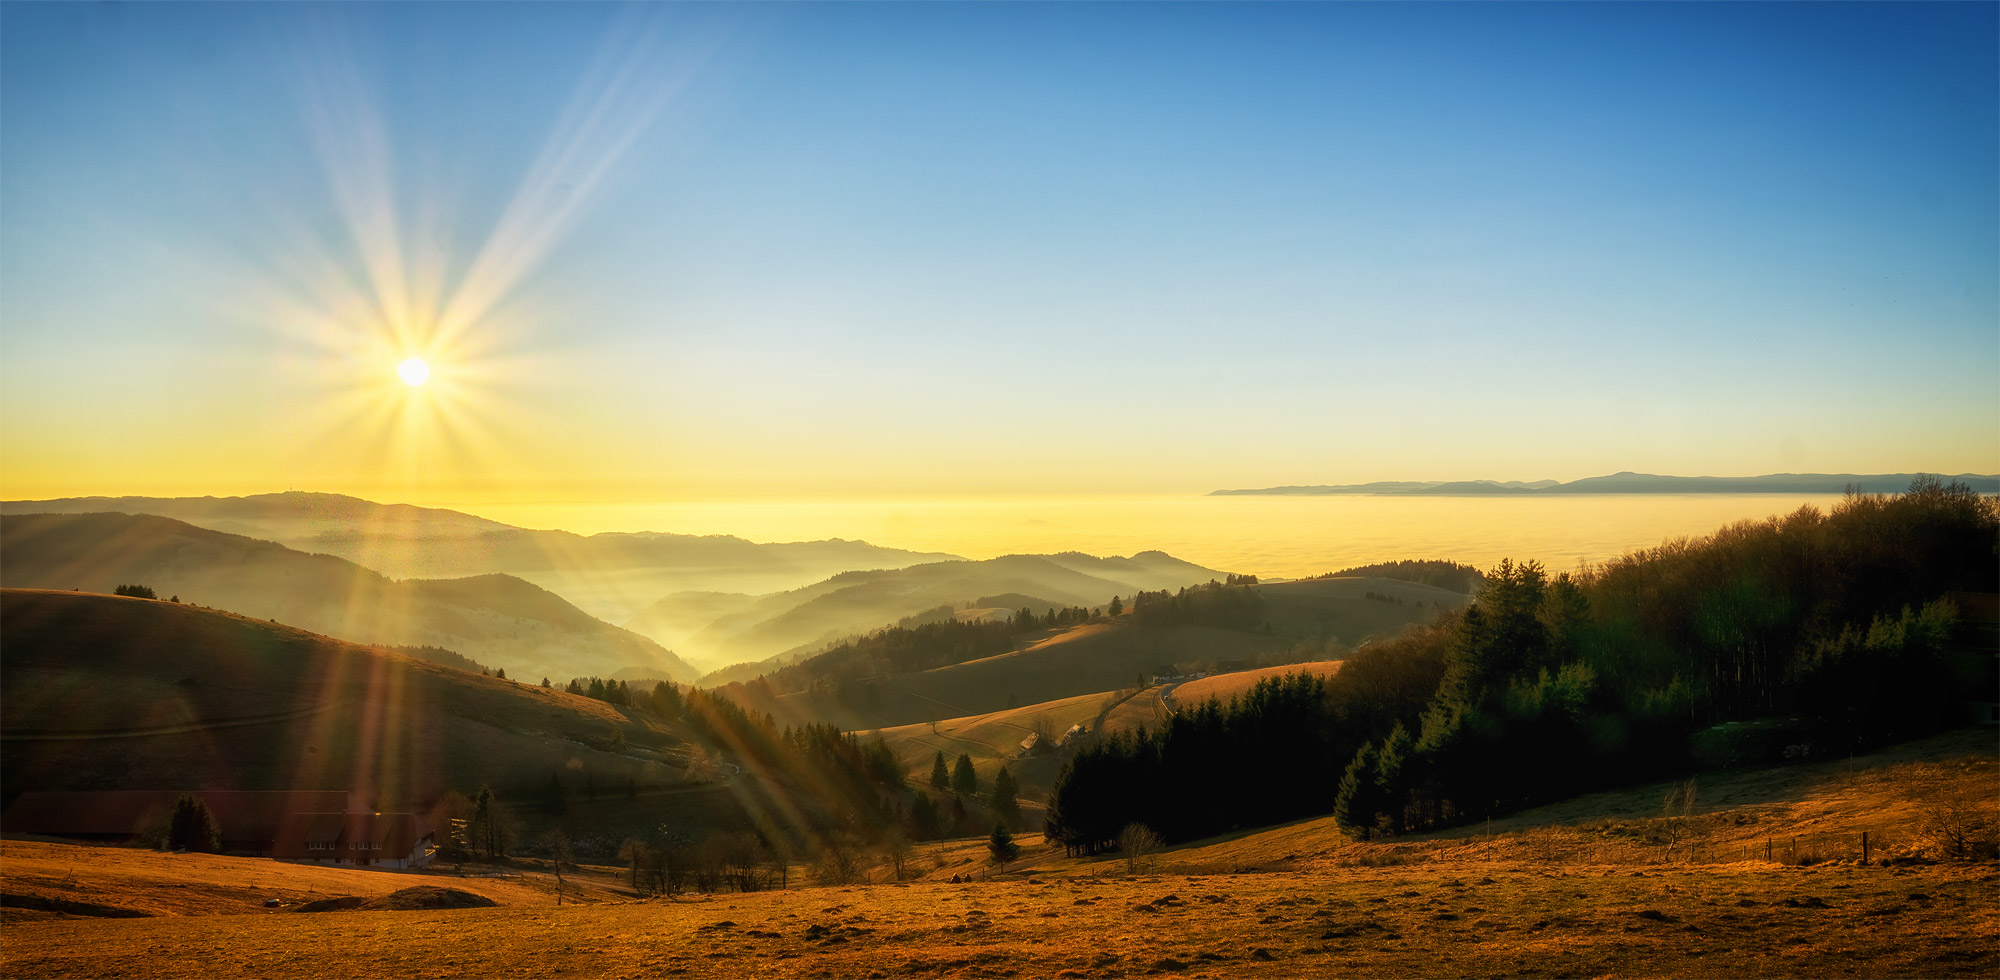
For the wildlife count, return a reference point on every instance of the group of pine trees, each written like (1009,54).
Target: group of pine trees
(1547,686)
(1442,574)
(613,692)
(1212,767)
(957,786)
(1232,606)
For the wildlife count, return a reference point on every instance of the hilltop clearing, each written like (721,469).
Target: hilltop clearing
(612,575)
(737,629)
(494,619)
(1289,901)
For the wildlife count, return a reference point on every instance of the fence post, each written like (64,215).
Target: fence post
(1864,847)
(1767,850)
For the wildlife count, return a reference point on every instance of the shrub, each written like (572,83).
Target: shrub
(839,862)
(1956,821)
(1001,847)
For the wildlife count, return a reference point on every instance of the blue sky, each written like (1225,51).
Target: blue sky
(806,249)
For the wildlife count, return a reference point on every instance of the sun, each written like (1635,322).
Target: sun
(414,371)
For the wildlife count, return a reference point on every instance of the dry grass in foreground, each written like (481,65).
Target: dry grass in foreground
(1596,886)
(1489,919)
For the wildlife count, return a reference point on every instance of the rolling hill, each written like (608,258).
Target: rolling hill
(106,692)
(1301,620)
(744,629)
(495,619)
(611,575)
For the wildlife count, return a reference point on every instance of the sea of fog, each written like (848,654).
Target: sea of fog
(1271,536)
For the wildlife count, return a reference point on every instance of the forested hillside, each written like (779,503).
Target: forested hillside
(1842,622)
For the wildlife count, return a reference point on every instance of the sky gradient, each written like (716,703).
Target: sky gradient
(662,253)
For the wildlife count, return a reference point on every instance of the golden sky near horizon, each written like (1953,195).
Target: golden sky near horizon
(683,254)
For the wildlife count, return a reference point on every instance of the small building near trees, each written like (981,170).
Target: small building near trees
(387,840)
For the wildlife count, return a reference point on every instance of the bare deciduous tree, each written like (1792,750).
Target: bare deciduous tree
(1955,820)
(896,852)
(1138,842)
(839,861)
(1677,812)
(556,845)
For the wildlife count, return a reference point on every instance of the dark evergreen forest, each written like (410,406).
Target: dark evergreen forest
(1842,622)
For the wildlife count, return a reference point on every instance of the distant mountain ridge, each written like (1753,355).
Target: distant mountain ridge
(726,628)
(493,618)
(612,575)
(1629,482)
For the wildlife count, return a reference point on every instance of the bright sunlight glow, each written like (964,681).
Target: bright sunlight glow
(414,371)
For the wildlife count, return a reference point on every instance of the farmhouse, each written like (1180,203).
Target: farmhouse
(389,840)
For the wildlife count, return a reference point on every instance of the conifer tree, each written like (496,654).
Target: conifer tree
(1356,807)
(488,829)
(1001,845)
(965,779)
(192,827)
(925,820)
(940,776)
(1392,775)
(1005,800)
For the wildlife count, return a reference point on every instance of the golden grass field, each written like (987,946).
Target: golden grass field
(1574,889)
(1222,687)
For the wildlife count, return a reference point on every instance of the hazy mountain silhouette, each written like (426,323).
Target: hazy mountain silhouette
(611,575)
(722,628)
(1628,482)
(495,619)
